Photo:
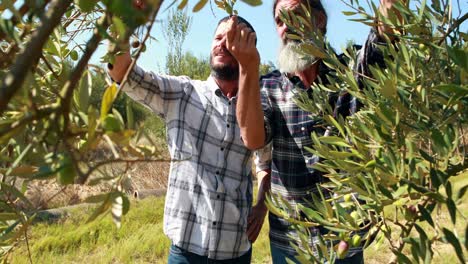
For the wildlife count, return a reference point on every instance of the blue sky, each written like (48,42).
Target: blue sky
(204,22)
(198,41)
(340,30)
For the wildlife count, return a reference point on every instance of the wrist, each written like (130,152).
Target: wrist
(251,68)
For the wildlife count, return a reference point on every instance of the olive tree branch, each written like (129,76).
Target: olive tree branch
(29,57)
(152,20)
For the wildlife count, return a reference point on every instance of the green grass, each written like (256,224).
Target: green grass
(141,238)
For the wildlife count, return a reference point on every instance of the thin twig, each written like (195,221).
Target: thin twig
(49,66)
(27,245)
(128,161)
(44,112)
(23,10)
(130,68)
(454,26)
(67,90)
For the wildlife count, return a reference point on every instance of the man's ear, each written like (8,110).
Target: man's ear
(321,21)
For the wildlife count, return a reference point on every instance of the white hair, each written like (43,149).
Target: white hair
(291,59)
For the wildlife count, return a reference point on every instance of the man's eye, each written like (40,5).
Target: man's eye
(278,21)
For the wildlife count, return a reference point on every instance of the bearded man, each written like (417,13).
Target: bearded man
(209,194)
(285,167)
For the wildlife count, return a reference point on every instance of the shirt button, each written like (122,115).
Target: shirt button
(218,196)
(214,223)
(229,103)
(222,149)
(228,125)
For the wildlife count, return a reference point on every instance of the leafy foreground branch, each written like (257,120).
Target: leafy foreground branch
(49,125)
(55,121)
(393,165)
(13,80)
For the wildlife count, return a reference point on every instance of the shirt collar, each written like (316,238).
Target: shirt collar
(216,91)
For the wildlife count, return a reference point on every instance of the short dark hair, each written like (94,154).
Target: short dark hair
(314,5)
(239,21)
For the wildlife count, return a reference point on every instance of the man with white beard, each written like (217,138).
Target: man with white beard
(285,166)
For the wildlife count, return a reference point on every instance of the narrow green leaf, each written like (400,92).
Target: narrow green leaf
(311,49)
(19,159)
(426,156)
(453,240)
(199,5)
(182,4)
(459,56)
(253,2)
(462,192)
(86,5)
(349,13)
(426,215)
(8,230)
(107,100)
(335,123)
(402,258)
(8,216)
(452,210)
(337,141)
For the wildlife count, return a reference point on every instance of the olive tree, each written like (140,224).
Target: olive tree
(392,165)
(49,127)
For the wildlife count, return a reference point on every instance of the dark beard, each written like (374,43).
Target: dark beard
(225,72)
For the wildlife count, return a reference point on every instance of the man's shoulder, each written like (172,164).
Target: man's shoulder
(274,75)
(272,79)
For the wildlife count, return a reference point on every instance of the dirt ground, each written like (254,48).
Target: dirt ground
(46,194)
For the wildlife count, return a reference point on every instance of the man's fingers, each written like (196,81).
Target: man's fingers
(252,232)
(252,38)
(231,29)
(237,38)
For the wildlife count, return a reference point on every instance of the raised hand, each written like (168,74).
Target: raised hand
(240,42)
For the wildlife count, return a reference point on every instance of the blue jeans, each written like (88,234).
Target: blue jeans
(178,255)
(279,256)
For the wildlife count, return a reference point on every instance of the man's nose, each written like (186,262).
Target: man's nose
(221,43)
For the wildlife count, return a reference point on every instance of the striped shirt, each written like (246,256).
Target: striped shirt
(288,130)
(209,193)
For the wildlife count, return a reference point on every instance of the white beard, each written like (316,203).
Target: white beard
(291,60)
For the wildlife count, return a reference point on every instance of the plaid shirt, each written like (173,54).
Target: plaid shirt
(288,129)
(210,186)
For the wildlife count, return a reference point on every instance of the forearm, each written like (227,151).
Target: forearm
(249,109)
(118,70)
(263,178)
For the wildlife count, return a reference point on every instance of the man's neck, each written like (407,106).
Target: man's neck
(309,75)
(229,88)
